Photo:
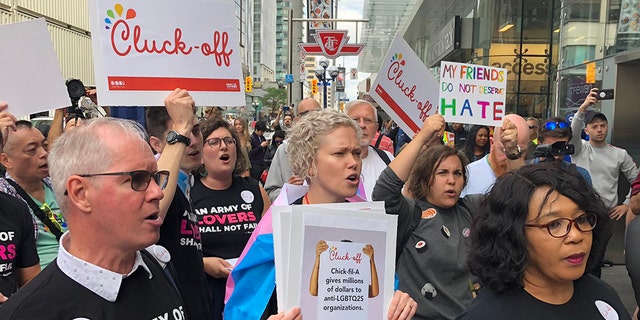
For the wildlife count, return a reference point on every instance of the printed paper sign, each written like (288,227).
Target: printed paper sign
(144,49)
(472,94)
(405,88)
(338,261)
(342,279)
(31,79)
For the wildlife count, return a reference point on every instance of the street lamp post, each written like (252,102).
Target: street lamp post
(321,74)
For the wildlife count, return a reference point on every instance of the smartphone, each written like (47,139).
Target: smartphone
(605,94)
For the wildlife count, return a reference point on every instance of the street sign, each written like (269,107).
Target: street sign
(288,78)
(332,44)
(354,74)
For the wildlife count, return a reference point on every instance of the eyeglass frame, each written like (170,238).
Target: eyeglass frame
(571,223)
(552,125)
(226,141)
(156,177)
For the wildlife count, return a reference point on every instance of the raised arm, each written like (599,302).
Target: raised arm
(431,132)
(577,124)
(181,109)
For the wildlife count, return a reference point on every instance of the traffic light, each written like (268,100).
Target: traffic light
(248,84)
(314,86)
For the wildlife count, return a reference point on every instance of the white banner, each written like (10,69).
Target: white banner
(472,93)
(144,49)
(31,79)
(405,88)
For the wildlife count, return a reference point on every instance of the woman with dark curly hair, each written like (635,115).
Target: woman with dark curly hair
(478,144)
(531,244)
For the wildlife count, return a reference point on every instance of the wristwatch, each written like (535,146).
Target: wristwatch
(514,156)
(173,137)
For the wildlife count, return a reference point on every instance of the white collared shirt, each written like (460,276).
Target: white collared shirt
(100,281)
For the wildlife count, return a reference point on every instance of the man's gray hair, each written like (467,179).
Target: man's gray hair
(353,103)
(83,151)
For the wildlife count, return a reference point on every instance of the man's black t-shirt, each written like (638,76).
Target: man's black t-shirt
(17,242)
(179,234)
(53,295)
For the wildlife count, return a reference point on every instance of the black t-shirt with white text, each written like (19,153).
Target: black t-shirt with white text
(17,242)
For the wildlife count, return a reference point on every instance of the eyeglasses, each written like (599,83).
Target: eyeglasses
(217,142)
(560,227)
(555,125)
(366,121)
(139,179)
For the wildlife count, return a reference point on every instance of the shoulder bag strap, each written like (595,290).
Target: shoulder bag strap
(47,221)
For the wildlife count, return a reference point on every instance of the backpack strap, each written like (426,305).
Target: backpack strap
(377,145)
(47,220)
(383,155)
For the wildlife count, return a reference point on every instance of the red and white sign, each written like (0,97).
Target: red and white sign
(144,49)
(354,74)
(332,44)
(405,88)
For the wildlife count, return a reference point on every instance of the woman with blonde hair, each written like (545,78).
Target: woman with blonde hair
(244,142)
(324,150)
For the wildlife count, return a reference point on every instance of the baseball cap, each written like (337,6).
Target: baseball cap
(591,115)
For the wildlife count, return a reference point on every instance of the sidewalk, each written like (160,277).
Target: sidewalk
(618,278)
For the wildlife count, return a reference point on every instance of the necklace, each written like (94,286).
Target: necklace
(306,198)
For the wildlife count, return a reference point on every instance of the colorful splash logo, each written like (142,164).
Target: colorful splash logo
(397,57)
(119,9)
(333,249)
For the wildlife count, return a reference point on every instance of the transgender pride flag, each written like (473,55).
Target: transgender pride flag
(253,279)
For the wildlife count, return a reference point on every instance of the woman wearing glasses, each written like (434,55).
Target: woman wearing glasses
(531,246)
(228,206)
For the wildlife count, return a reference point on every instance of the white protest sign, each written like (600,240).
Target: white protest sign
(343,279)
(405,88)
(330,274)
(31,79)
(144,49)
(472,94)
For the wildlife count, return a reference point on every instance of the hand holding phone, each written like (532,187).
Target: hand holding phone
(605,94)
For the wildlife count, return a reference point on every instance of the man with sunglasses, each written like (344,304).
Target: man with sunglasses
(554,138)
(280,171)
(174,133)
(109,188)
(603,161)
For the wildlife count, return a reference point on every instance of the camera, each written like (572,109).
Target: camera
(605,94)
(549,151)
(76,90)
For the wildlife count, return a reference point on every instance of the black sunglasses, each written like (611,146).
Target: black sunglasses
(140,179)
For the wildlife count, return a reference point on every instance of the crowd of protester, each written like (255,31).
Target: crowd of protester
(109,220)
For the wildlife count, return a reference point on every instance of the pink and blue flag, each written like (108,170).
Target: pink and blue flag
(253,279)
